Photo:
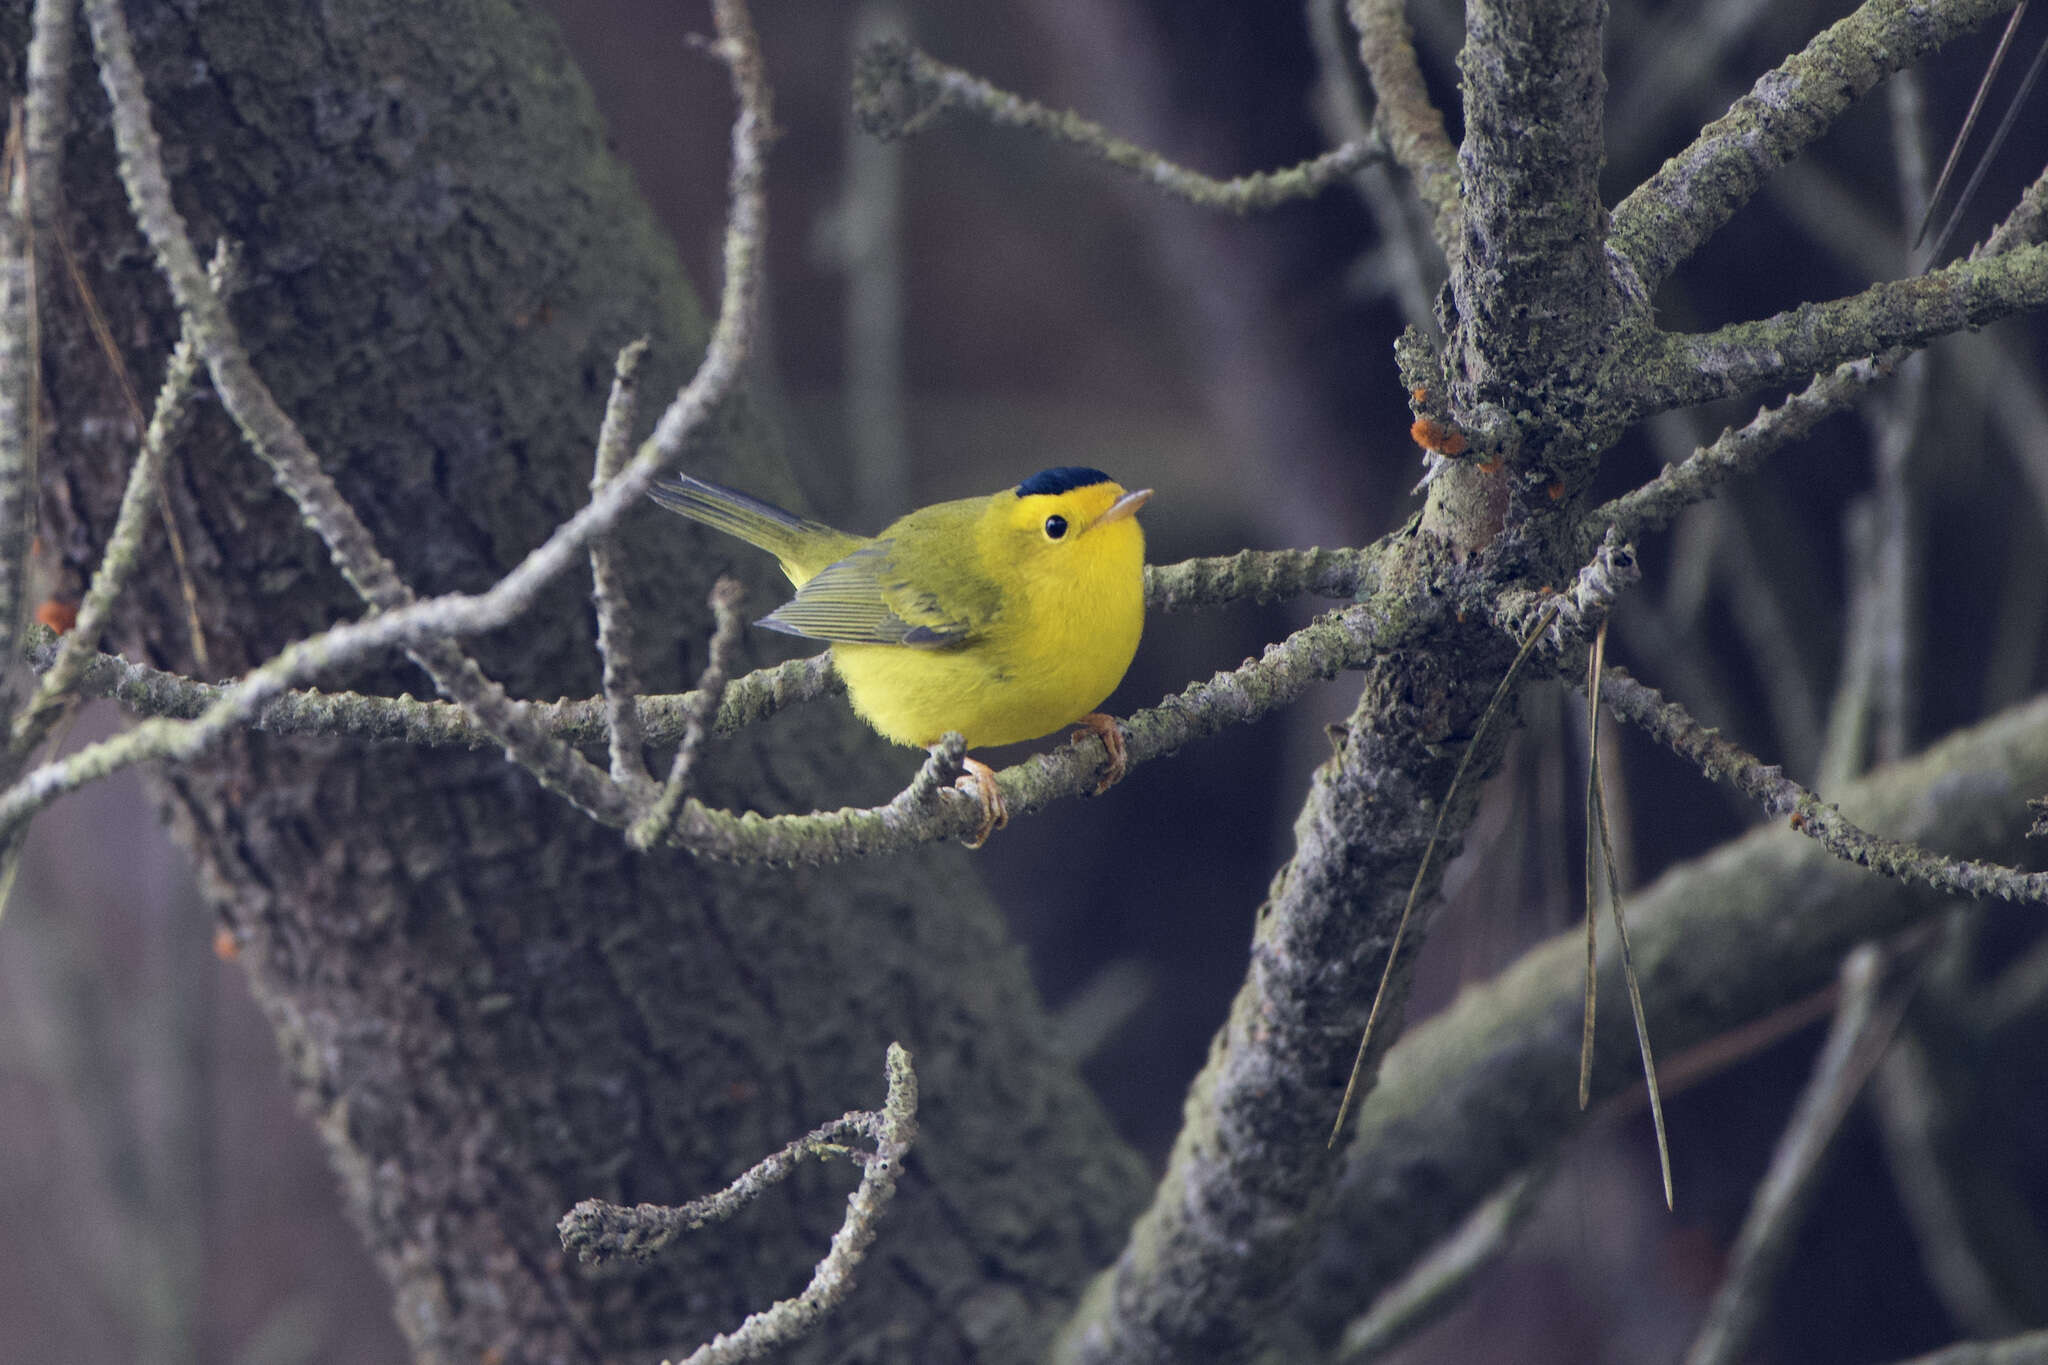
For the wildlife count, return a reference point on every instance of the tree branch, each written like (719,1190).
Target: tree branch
(598,1231)
(1488,1087)
(1404,116)
(1534,297)
(1740,451)
(621,682)
(898,90)
(1667,218)
(1737,359)
(1668,723)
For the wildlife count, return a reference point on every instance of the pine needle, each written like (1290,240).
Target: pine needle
(1990,152)
(1372,1017)
(96,321)
(1596,824)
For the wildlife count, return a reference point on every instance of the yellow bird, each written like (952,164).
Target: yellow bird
(1004,617)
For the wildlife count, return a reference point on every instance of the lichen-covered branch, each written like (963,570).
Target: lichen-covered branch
(621,681)
(598,1231)
(299,472)
(277,439)
(1403,114)
(1818,336)
(1666,219)
(1535,302)
(1245,1193)
(152,692)
(1489,1087)
(1249,575)
(1317,652)
(17,407)
(1262,576)
(899,90)
(1765,783)
(1741,450)
(654,827)
(75,654)
(1736,452)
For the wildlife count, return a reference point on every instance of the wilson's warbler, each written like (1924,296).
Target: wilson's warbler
(1003,617)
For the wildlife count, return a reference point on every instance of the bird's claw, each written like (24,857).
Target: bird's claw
(979,781)
(1106,729)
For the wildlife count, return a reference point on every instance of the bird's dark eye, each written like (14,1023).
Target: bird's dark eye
(1055,526)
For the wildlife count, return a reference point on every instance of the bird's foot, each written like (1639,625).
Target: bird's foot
(979,781)
(1106,729)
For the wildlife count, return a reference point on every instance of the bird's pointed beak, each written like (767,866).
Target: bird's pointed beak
(1125,506)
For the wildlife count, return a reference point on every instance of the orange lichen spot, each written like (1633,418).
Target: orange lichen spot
(1545,590)
(225,946)
(1419,394)
(1556,491)
(1799,819)
(58,616)
(1493,466)
(1440,437)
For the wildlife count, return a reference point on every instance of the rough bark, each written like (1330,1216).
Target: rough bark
(489,1005)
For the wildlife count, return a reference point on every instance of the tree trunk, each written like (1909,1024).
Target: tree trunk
(490,1006)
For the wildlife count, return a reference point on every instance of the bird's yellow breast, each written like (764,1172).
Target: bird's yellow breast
(1065,629)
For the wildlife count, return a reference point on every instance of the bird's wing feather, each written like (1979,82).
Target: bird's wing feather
(869,598)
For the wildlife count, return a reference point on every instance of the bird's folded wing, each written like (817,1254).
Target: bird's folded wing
(866,598)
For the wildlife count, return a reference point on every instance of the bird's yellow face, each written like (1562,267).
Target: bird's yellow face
(1072,535)
(1067,546)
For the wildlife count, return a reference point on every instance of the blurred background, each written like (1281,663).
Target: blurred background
(950,314)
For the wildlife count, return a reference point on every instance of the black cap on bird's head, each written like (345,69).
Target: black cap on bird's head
(1063,479)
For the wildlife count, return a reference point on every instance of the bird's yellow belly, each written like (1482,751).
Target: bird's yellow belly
(997,691)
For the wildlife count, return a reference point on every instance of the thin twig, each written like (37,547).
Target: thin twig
(1912,1115)
(35,188)
(1738,452)
(1743,357)
(1666,219)
(608,584)
(1411,124)
(655,826)
(1406,264)
(1261,576)
(899,90)
(103,336)
(153,692)
(1719,759)
(598,1231)
(271,432)
(18,398)
(76,649)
